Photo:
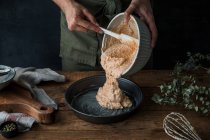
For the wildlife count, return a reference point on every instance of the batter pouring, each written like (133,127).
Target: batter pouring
(115,59)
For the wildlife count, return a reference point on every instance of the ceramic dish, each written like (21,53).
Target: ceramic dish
(6,76)
(81,98)
(9,129)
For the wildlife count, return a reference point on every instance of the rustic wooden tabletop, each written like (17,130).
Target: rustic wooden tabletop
(144,124)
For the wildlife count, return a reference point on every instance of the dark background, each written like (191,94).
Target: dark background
(183,25)
(30,32)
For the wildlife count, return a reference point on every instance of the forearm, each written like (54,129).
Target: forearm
(63,4)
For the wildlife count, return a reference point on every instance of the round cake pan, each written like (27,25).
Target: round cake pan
(81,98)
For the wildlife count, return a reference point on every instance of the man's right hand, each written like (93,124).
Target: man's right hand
(77,16)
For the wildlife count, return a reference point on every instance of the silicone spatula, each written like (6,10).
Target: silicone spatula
(122,37)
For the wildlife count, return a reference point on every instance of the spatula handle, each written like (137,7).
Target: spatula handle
(108,32)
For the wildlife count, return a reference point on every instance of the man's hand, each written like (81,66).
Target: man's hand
(144,10)
(78,17)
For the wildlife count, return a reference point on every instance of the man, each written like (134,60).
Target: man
(80,20)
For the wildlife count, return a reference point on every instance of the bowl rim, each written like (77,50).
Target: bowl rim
(138,34)
(12,75)
(95,116)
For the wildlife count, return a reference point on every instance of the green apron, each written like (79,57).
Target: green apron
(80,50)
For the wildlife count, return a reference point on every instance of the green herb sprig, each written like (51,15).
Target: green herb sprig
(183,89)
(9,127)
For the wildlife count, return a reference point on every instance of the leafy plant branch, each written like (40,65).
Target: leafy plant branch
(183,89)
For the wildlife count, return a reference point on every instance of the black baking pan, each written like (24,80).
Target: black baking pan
(81,98)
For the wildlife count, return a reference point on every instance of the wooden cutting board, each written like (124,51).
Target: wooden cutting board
(17,99)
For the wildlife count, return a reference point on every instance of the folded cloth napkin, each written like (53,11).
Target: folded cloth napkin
(30,77)
(24,122)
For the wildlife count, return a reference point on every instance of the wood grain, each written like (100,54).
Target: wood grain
(144,124)
(16,99)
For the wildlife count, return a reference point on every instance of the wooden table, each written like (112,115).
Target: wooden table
(144,124)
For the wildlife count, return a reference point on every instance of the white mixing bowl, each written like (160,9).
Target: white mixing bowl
(142,33)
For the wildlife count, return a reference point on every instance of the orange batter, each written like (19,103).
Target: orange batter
(117,57)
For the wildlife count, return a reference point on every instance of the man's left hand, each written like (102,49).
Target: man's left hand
(144,10)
